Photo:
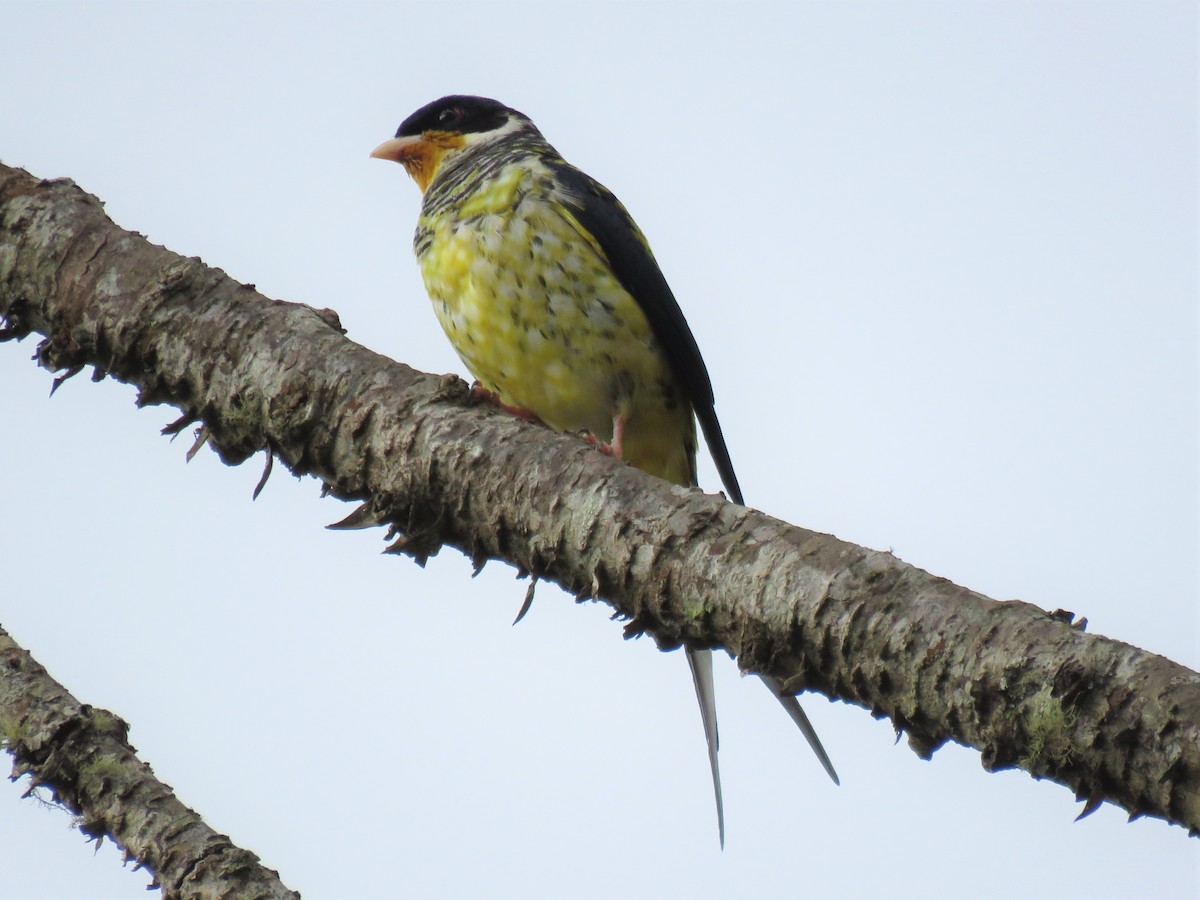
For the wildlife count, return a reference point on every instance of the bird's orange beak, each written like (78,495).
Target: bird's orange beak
(421,154)
(397,149)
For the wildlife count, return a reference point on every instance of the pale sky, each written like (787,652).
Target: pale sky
(941,260)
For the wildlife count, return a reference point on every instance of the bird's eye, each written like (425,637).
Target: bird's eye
(452,114)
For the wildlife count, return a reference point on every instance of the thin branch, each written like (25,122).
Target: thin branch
(82,755)
(1023,686)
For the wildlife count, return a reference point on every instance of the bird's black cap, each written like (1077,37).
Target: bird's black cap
(460,113)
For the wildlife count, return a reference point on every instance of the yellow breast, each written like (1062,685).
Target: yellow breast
(534,311)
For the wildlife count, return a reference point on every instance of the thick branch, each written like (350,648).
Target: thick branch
(944,663)
(81,754)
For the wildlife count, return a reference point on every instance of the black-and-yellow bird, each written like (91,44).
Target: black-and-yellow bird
(550,295)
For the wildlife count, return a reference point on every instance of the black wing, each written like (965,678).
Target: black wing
(613,228)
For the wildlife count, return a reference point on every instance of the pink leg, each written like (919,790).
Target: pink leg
(616,448)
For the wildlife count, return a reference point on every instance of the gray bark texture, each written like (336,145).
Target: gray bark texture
(1025,687)
(82,756)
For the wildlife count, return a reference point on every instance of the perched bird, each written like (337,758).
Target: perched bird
(551,297)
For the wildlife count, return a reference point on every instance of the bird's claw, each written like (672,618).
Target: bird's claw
(603,446)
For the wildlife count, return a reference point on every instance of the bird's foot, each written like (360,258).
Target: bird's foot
(603,446)
(481,394)
(616,448)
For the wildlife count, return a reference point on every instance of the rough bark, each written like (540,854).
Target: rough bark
(1025,687)
(82,756)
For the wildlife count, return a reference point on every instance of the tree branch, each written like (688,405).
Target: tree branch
(1025,687)
(82,755)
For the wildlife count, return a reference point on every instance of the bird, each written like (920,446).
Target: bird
(550,295)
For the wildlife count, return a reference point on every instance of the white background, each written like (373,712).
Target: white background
(941,260)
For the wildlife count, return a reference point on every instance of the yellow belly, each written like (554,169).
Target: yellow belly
(534,312)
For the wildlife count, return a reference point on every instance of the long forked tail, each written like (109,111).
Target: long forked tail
(792,705)
(702,674)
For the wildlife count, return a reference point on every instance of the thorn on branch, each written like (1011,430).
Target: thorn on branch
(402,546)
(418,546)
(62,379)
(94,830)
(262,482)
(528,600)
(925,745)
(202,435)
(635,628)
(1092,804)
(368,515)
(176,427)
